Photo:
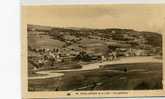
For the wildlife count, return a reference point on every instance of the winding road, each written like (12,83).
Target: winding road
(125,60)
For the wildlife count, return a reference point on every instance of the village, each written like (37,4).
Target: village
(85,47)
(93,59)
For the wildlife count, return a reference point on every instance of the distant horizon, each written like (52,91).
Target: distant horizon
(94,28)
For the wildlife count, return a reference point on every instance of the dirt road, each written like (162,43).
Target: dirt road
(126,60)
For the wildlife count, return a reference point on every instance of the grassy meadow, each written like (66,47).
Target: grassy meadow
(138,76)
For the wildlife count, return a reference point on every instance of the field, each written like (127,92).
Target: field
(43,42)
(137,76)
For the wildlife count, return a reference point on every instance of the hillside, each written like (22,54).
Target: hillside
(50,46)
(124,36)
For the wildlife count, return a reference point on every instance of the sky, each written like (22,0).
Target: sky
(138,17)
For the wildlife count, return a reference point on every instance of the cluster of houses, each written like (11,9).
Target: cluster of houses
(44,56)
(49,57)
(74,50)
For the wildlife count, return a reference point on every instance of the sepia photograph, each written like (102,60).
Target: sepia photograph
(74,48)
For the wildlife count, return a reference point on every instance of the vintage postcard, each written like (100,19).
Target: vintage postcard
(95,50)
